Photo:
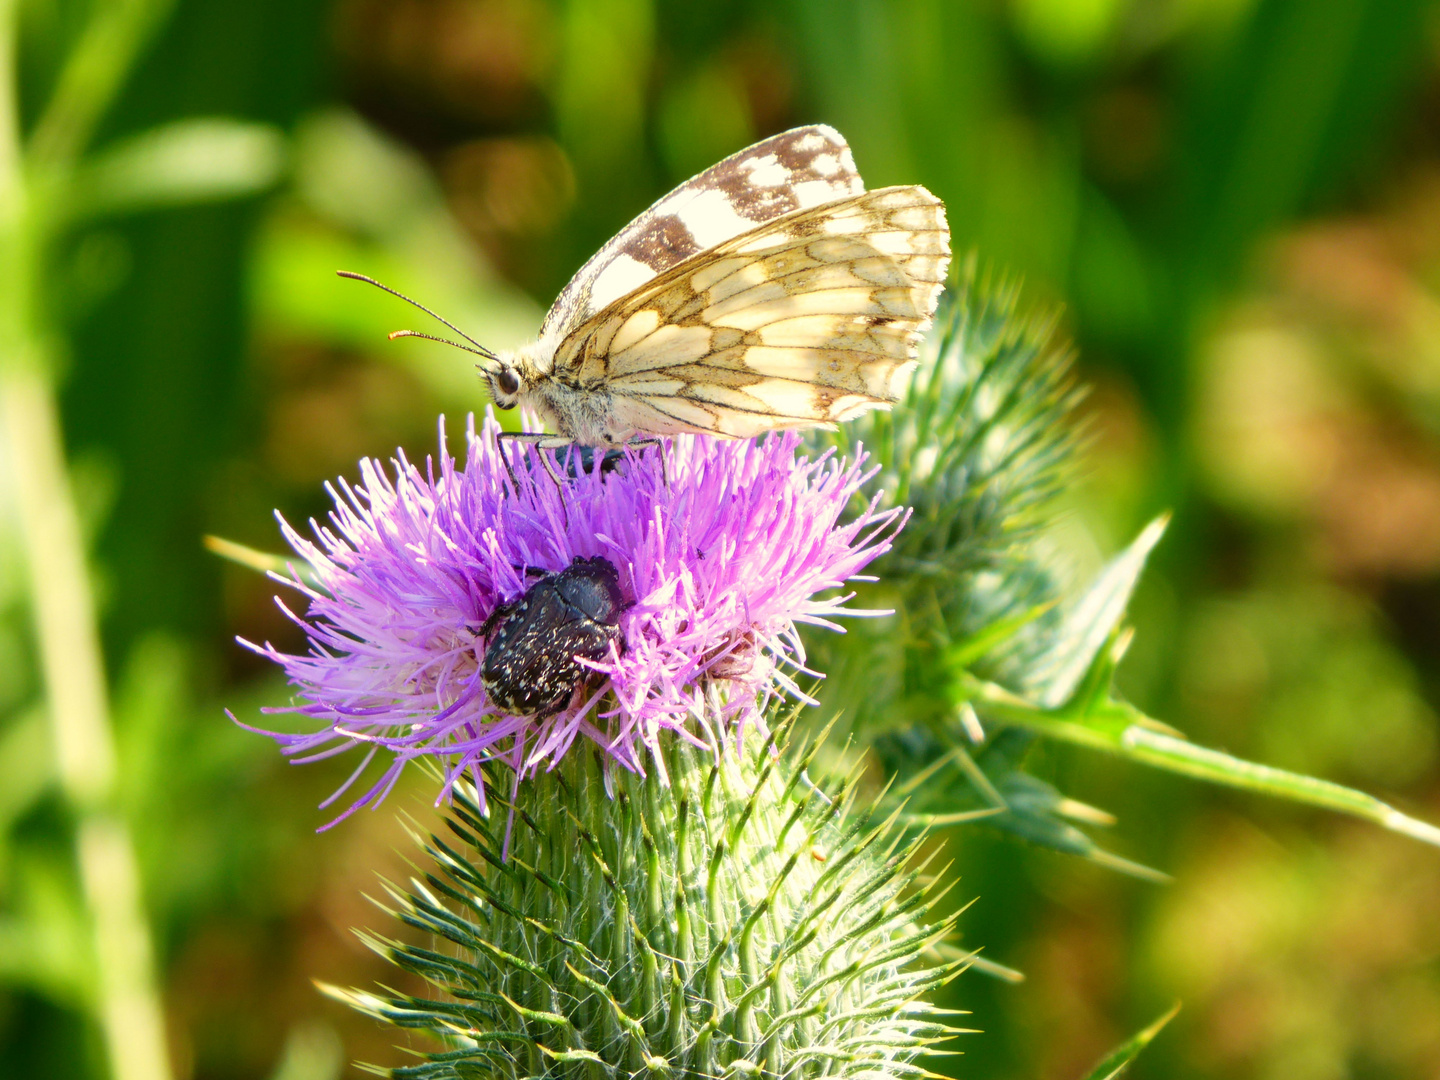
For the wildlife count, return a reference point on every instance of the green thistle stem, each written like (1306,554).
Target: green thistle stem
(1117,727)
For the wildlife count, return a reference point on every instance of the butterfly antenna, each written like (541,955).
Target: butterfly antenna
(443,341)
(479,349)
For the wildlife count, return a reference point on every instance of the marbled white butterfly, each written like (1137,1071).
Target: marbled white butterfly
(770,291)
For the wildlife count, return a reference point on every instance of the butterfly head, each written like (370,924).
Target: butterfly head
(505,380)
(512,376)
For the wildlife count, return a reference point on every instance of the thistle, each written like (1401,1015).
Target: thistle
(978,452)
(629,883)
(633,884)
(720,550)
(737,922)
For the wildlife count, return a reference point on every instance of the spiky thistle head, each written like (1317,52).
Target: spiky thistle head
(979,450)
(980,446)
(735,923)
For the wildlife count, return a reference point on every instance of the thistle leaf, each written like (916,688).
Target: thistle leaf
(980,449)
(1115,726)
(1093,619)
(1119,1059)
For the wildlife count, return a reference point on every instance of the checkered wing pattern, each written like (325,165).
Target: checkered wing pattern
(795,170)
(807,319)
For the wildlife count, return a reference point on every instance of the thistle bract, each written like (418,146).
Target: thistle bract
(720,547)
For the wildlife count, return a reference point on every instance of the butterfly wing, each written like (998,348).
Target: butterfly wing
(808,319)
(791,171)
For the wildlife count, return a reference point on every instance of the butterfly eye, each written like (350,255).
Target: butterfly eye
(507,383)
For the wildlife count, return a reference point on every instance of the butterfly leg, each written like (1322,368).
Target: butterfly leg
(659,444)
(518,436)
(541,440)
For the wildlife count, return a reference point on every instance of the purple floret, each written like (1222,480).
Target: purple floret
(721,552)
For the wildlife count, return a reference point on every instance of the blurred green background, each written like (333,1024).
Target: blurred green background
(1233,204)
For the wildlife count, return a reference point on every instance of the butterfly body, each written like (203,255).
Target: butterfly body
(580,410)
(770,291)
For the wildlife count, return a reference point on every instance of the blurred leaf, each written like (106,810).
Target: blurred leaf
(360,179)
(27,765)
(312,1052)
(149,704)
(186,161)
(297,293)
(600,110)
(1066,32)
(46,943)
(369,204)
(1301,80)
(704,118)
(91,77)
(1119,1059)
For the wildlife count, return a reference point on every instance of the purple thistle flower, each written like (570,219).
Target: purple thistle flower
(720,552)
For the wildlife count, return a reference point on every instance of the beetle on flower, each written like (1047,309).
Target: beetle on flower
(534,663)
(719,552)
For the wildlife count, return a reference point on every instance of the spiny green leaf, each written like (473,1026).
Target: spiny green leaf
(1118,1059)
(1119,728)
(1092,619)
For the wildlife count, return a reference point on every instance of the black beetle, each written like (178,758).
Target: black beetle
(530,665)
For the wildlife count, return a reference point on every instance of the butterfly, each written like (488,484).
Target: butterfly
(770,291)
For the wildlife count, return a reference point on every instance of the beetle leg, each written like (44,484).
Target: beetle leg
(565,703)
(501,611)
